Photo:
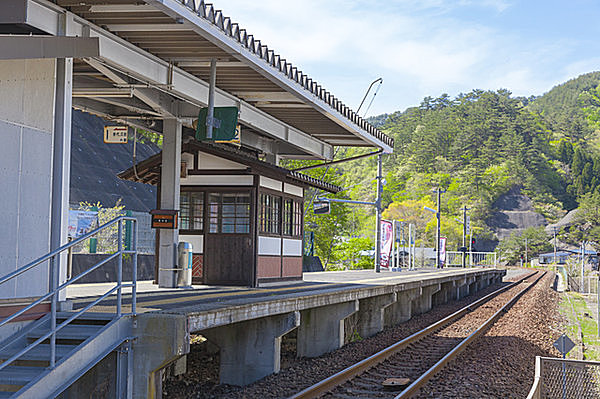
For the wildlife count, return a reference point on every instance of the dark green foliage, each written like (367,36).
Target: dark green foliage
(532,242)
(477,146)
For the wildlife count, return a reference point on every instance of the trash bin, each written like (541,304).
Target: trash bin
(184,262)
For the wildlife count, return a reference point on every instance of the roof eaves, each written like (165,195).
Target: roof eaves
(232,30)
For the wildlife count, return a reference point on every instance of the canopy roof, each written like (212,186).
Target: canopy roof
(181,37)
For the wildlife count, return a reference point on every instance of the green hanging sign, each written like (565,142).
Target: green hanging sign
(224,124)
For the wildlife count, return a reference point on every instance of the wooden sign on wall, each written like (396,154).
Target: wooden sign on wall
(164,219)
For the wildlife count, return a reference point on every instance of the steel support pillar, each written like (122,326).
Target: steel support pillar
(169,200)
(61,163)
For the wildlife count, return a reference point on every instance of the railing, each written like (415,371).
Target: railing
(55,286)
(562,378)
(454,258)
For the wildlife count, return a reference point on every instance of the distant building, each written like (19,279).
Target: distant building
(564,255)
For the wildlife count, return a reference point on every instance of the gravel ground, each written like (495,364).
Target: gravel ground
(201,380)
(501,363)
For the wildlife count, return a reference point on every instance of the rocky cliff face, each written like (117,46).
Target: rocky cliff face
(514,213)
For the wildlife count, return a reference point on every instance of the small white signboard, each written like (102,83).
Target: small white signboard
(115,134)
(468,225)
(564,344)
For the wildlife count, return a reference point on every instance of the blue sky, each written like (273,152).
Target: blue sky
(427,47)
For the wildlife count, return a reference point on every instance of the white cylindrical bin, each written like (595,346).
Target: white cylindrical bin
(184,261)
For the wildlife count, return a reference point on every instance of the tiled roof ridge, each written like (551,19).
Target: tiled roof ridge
(232,29)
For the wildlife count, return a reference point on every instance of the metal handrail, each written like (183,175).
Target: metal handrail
(55,287)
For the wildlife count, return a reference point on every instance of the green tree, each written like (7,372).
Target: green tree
(511,248)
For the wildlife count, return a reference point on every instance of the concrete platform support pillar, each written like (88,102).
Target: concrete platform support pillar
(423,302)
(472,285)
(445,294)
(322,329)
(169,199)
(161,340)
(462,288)
(371,313)
(401,310)
(251,350)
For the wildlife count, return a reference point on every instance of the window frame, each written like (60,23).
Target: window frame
(191,192)
(296,217)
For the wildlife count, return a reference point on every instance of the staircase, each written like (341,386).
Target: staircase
(48,355)
(79,346)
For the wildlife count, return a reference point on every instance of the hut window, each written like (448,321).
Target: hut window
(270,210)
(229,213)
(191,211)
(292,218)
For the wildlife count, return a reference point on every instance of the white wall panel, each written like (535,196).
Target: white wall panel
(271,183)
(197,242)
(209,161)
(223,180)
(26,125)
(269,246)
(292,247)
(294,190)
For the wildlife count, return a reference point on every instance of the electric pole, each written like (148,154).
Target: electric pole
(437,233)
(554,230)
(464,237)
(378,207)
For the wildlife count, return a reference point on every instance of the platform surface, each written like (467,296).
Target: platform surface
(202,298)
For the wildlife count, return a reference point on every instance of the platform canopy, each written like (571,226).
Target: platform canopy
(154,64)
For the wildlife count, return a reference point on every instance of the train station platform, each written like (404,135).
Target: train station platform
(247,324)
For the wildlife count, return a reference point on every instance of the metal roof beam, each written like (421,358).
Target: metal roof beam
(267,96)
(257,57)
(119,8)
(14,47)
(129,60)
(174,27)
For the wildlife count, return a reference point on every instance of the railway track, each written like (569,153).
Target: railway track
(400,370)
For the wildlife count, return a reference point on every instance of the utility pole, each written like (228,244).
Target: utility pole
(378,207)
(437,232)
(582,266)
(410,246)
(554,230)
(403,246)
(464,237)
(525,251)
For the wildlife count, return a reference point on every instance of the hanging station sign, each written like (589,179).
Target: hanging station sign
(115,134)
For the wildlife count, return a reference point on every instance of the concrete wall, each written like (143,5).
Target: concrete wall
(26,128)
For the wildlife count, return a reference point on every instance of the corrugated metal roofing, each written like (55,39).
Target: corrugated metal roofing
(252,72)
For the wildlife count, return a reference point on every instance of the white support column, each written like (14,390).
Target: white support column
(61,162)
(61,155)
(169,199)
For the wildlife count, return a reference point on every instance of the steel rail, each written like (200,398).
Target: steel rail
(343,376)
(425,377)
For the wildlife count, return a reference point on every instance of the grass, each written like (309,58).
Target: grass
(582,317)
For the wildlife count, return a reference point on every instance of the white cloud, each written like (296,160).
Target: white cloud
(419,47)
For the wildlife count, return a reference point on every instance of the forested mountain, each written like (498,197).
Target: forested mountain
(479,146)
